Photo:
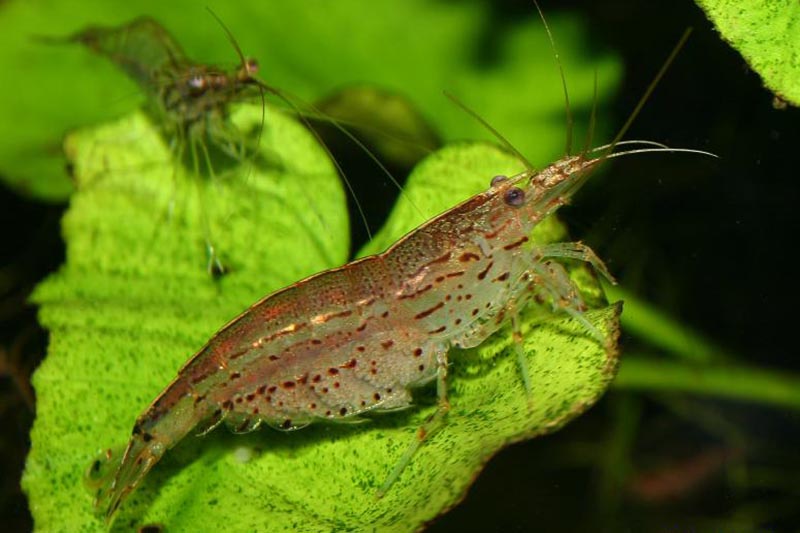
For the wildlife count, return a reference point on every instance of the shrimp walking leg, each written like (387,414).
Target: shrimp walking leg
(522,362)
(553,281)
(214,265)
(429,428)
(575,250)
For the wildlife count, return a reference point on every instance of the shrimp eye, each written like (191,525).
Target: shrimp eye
(251,65)
(498,179)
(515,197)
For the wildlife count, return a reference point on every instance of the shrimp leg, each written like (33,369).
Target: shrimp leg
(554,282)
(522,361)
(550,279)
(574,250)
(426,430)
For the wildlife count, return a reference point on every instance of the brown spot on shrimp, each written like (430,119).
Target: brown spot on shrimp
(429,311)
(482,273)
(516,244)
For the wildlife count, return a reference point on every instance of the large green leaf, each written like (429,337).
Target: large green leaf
(765,33)
(414,47)
(133,302)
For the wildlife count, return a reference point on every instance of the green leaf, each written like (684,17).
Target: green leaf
(508,76)
(133,302)
(765,33)
(385,120)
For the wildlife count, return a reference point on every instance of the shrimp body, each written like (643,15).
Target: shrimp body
(357,338)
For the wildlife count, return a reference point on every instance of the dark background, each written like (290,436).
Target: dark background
(709,241)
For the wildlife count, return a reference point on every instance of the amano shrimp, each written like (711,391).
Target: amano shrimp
(188,100)
(357,338)
(191,102)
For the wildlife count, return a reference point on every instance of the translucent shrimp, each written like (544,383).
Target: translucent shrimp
(190,101)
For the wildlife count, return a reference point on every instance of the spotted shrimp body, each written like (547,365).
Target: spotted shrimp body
(359,337)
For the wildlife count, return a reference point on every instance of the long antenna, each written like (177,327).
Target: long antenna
(656,150)
(285,99)
(570,120)
(244,64)
(624,143)
(592,119)
(505,142)
(650,89)
(285,96)
(230,36)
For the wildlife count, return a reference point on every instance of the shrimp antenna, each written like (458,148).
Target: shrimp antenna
(650,89)
(247,68)
(570,120)
(286,100)
(667,149)
(505,142)
(363,147)
(229,34)
(626,143)
(592,119)
(285,96)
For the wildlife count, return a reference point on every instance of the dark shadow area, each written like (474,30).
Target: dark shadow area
(31,249)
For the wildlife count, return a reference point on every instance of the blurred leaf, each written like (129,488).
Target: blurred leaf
(390,123)
(132,304)
(413,47)
(766,35)
(661,330)
(733,380)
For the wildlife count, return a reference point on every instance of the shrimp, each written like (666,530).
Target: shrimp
(190,102)
(359,337)
(188,99)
